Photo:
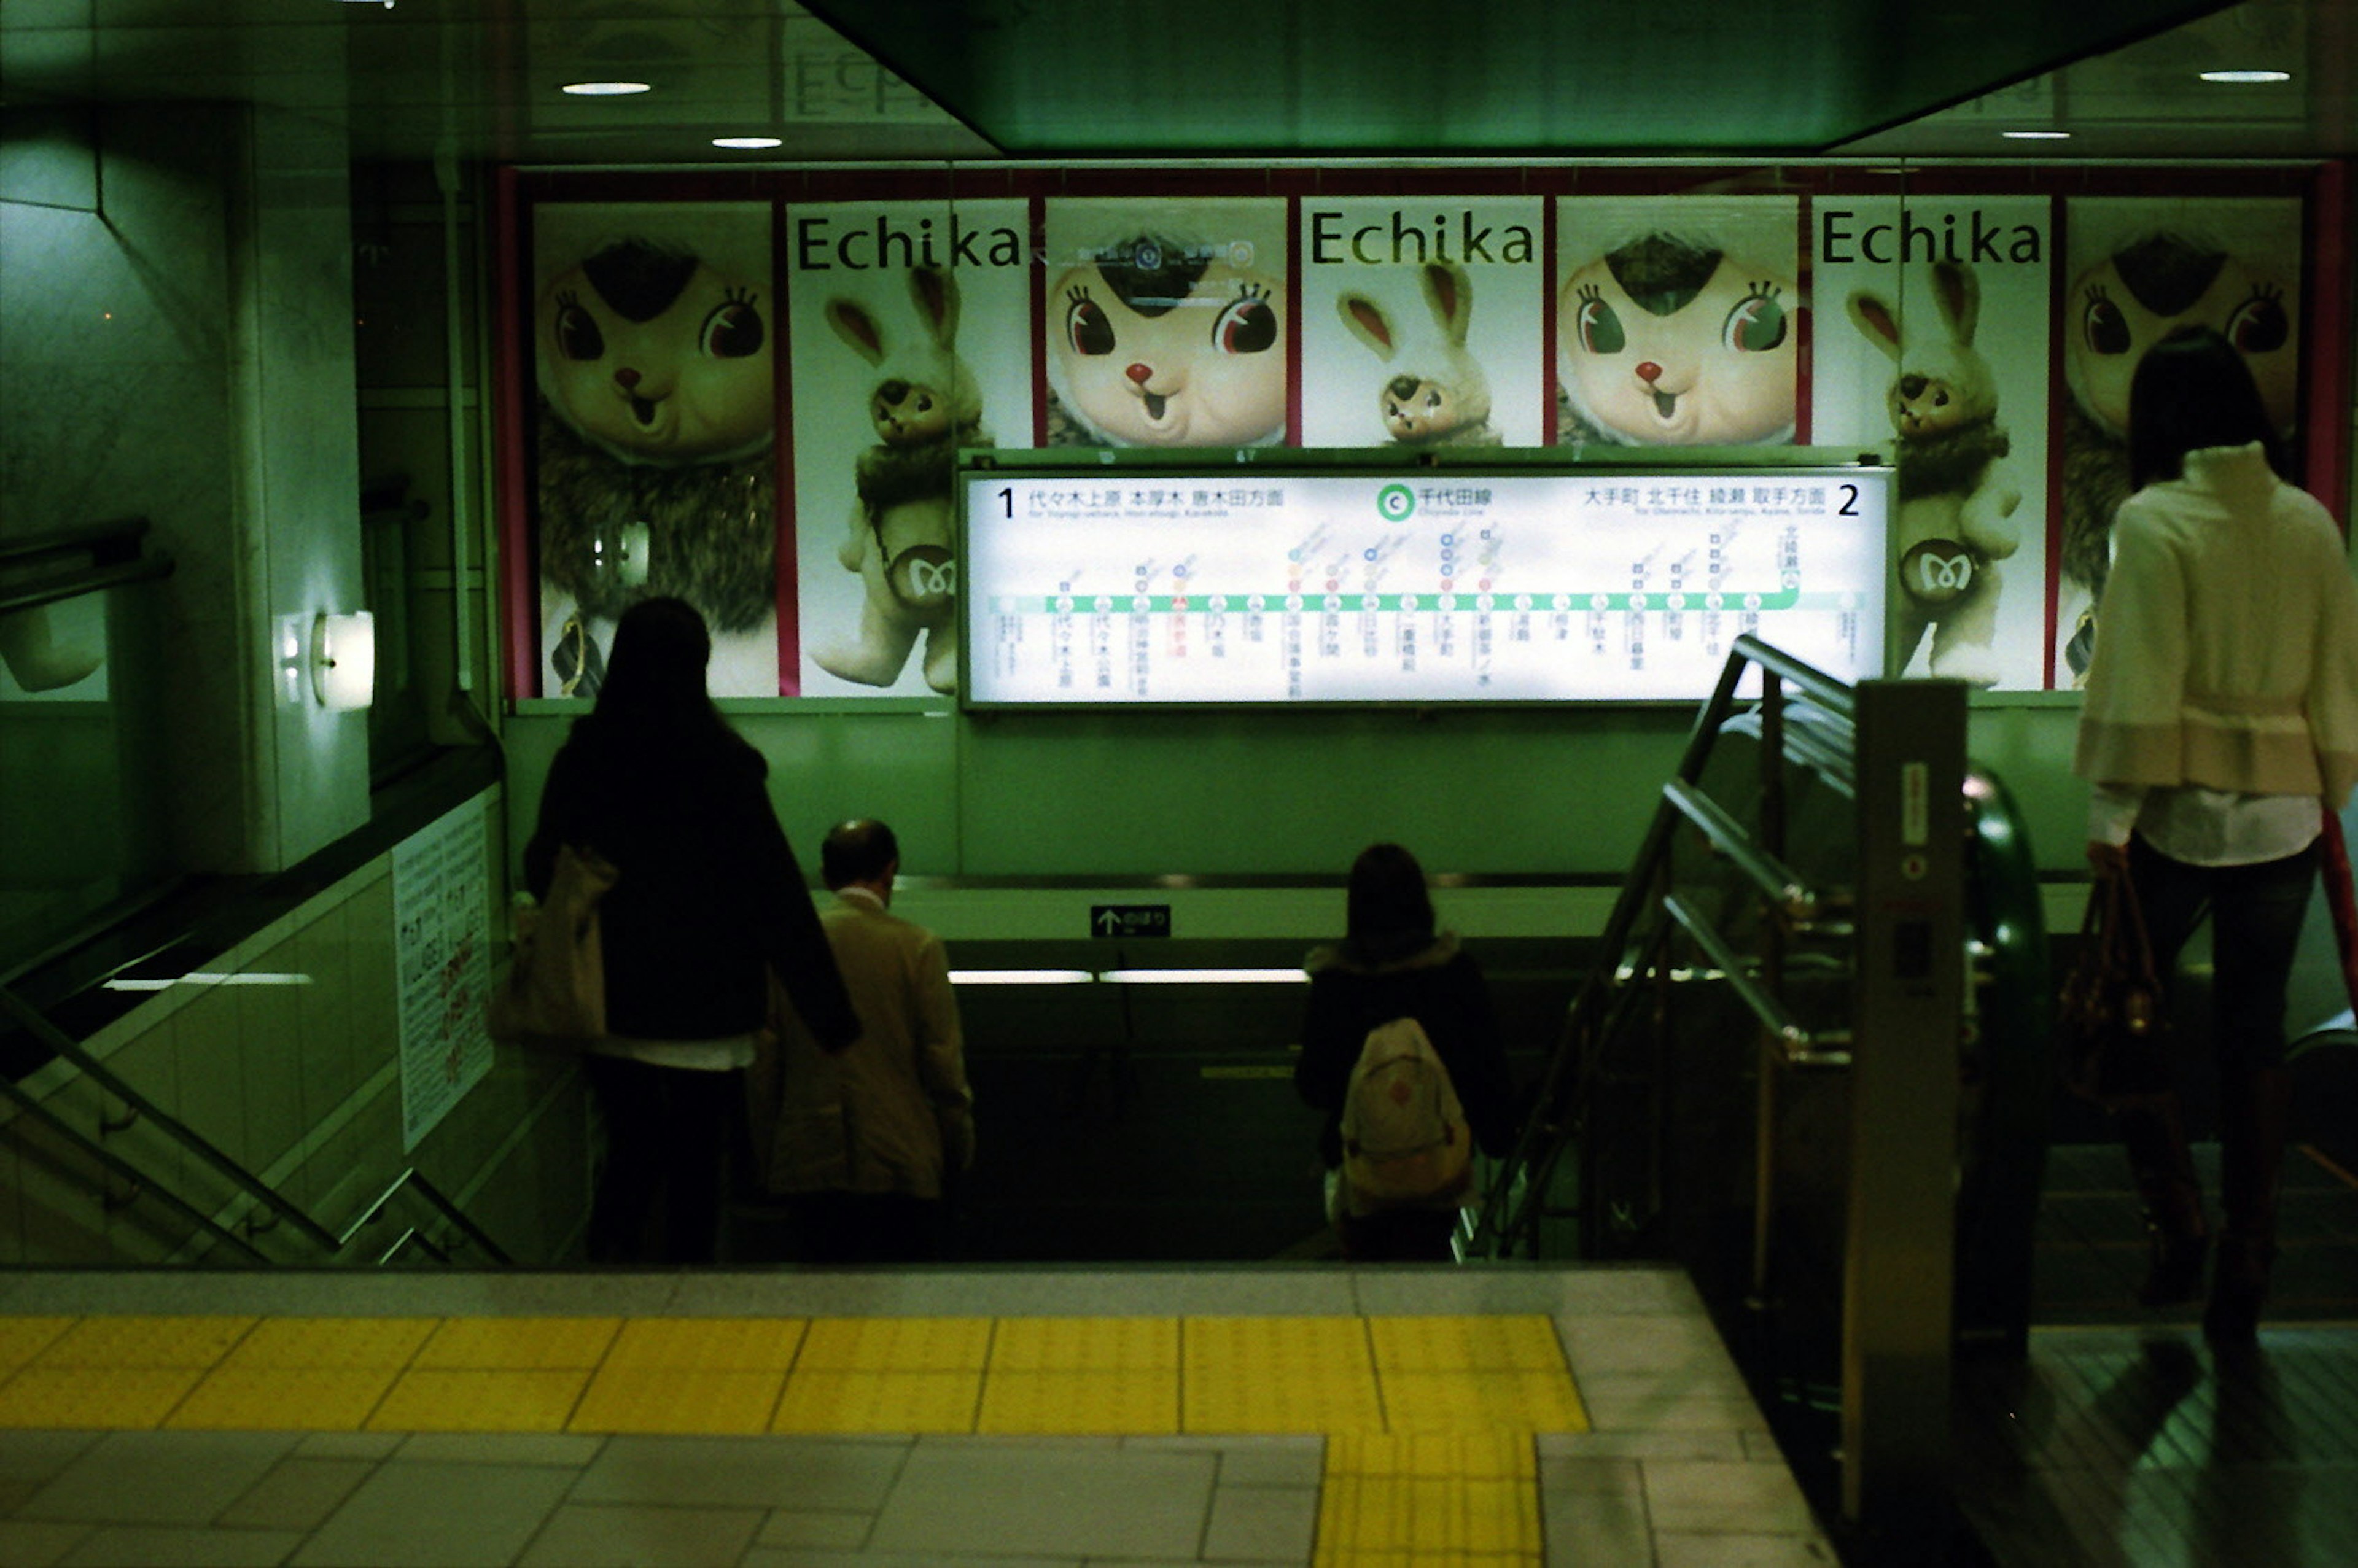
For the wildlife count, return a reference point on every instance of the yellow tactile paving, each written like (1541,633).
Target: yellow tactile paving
(437,1400)
(1105,1404)
(708,1345)
(1277,1375)
(127,1341)
(283,1398)
(822,1401)
(1466,1343)
(896,1345)
(1431,1501)
(353,1343)
(94,1399)
(672,1400)
(519,1344)
(1459,1401)
(1113,1376)
(1085,1344)
(22,1338)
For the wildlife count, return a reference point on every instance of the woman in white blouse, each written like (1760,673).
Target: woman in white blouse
(2222,714)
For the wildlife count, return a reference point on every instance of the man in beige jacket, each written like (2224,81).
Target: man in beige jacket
(864,1135)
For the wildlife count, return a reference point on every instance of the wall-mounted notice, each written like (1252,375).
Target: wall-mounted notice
(1258,586)
(442,917)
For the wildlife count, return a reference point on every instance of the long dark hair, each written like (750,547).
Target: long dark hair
(1387,913)
(654,676)
(2193,390)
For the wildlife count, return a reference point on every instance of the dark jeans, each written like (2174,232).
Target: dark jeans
(2255,913)
(671,1134)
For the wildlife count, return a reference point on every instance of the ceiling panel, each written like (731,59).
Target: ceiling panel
(1516,77)
(934,80)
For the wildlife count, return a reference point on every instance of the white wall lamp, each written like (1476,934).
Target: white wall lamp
(343,659)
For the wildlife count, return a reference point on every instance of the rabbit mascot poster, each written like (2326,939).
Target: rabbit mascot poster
(1422,321)
(655,333)
(910,323)
(1941,359)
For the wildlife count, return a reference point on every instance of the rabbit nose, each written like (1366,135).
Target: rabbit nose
(1648,371)
(1139,373)
(626,378)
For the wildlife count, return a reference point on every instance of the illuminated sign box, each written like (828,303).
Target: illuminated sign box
(1282,580)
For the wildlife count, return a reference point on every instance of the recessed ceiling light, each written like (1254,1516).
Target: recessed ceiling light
(605,89)
(2038,135)
(747,142)
(2247,76)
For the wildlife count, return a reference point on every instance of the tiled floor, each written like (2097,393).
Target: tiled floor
(1426,1417)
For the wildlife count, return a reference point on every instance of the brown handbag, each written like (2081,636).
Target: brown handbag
(2113,1021)
(554,991)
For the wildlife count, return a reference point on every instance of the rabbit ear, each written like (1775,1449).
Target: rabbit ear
(1958,292)
(936,292)
(1450,293)
(1873,315)
(856,327)
(1367,322)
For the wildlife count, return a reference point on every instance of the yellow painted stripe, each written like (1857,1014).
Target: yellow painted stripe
(1470,1376)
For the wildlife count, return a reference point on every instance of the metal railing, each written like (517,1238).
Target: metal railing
(270,1207)
(1884,943)
(46,568)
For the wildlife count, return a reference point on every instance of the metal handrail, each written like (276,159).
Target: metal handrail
(189,1137)
(115,559)
(1796,898)
(279,1206)
(1798,1046)
(1543,1133)
(116,1165)
(410,1179)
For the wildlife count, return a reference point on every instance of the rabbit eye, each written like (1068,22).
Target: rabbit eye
(1086,327)
(733,331)
(1245,326)
(2259,324)
(1758,322)
(2101,326)
(1599,325)
(578,337)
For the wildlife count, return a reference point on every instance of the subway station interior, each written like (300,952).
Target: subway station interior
(1733,727)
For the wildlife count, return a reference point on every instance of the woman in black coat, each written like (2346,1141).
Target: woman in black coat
(1390,964)
(707,901)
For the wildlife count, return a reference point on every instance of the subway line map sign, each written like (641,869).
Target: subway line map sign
(1254,585)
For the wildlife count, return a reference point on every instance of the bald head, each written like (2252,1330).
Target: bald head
(860,852)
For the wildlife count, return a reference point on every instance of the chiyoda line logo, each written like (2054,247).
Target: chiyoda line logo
(1395,501)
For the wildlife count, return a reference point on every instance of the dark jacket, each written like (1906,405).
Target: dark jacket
(708,891)
(1442,987)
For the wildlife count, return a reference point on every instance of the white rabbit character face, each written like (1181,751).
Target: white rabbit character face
(1164,352)
(908,415)
(2132,299)
(658,357)
(1700,353)
(1420,410)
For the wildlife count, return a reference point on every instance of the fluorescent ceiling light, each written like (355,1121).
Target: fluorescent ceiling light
(2038,135)
(1021,977)
(1204,976)
(749,142)
(604,88)
(2247,76)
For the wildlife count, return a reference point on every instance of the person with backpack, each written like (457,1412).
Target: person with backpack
(1400,1048)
